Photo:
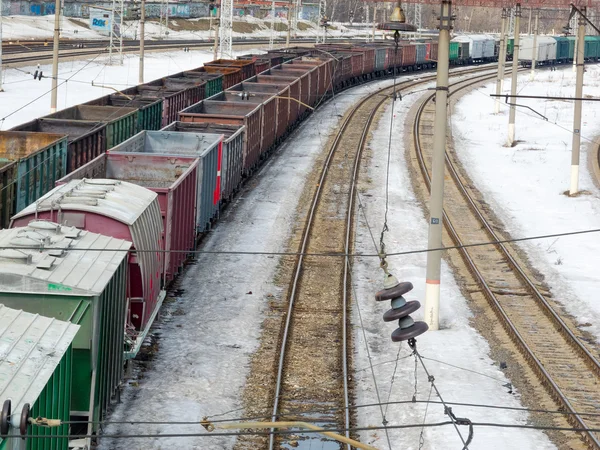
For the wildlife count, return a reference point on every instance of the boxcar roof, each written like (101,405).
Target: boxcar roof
(50,259)
(119,200)
(31,347)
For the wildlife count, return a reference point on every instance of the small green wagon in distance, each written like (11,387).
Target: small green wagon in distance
(453,52)
(35,378)
(77,276)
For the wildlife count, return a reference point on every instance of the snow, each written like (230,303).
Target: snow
(456,343)
(25,99)
(526,184)
(42,27)
(206,346)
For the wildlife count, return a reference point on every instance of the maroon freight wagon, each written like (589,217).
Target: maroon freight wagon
(261,62)
(294,86)
(246,66)
(409,56)
(280,92)
(231,113)
(85,140)
(325,68)
(176,95)
(303,75)
(268,105)
(173,178)
(313,78)
(121,210)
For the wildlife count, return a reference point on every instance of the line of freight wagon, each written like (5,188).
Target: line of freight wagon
(153,190)
(98,249)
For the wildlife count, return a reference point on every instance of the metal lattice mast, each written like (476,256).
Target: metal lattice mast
(115,46)
(164,19)
(417,19)
(511,22)
(322,15)
(226,28)
(295,14)
(272,35)
(367,19)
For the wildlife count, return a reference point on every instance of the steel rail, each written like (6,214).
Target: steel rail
(529,354)
(349,216)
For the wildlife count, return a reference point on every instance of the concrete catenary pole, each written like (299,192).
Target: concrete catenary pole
(501,61)
(218,20)
(289,24)
(534,50)
(1,89)
(515,69)
(436,202)
(529,24)
(576,50)
(374,21)
(54,93)
(142,37)
(577,116)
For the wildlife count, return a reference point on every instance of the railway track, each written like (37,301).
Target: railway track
(564,363)
(312,372)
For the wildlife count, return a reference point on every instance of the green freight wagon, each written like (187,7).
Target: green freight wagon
(510,48)
(562,48)
(149,109)
(35,378)
(41,160)
(592,48)
(571,47)
(214,81)
(80,277)
(121,122)
(453,52)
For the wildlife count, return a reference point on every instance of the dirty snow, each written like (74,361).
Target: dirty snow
(526,184)
(456,343)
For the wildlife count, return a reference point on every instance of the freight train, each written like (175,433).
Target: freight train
(144,173)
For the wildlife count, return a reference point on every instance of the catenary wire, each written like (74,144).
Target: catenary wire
(323,254)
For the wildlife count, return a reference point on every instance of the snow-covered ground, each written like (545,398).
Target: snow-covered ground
(42,27)
(526,184)
(25,99)
(457,343)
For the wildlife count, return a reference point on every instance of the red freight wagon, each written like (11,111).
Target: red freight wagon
(324,68)
(431,51)
(303,76)
(231,113)
(195,87)
(121,210)
(368,63)
(173,178)
(173,100)
(231,75)
(313,74)
(246,66)
(261,62)
(268,103)
(343,69)
(409,55)
(294,85)
(86,141)
(281,91)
